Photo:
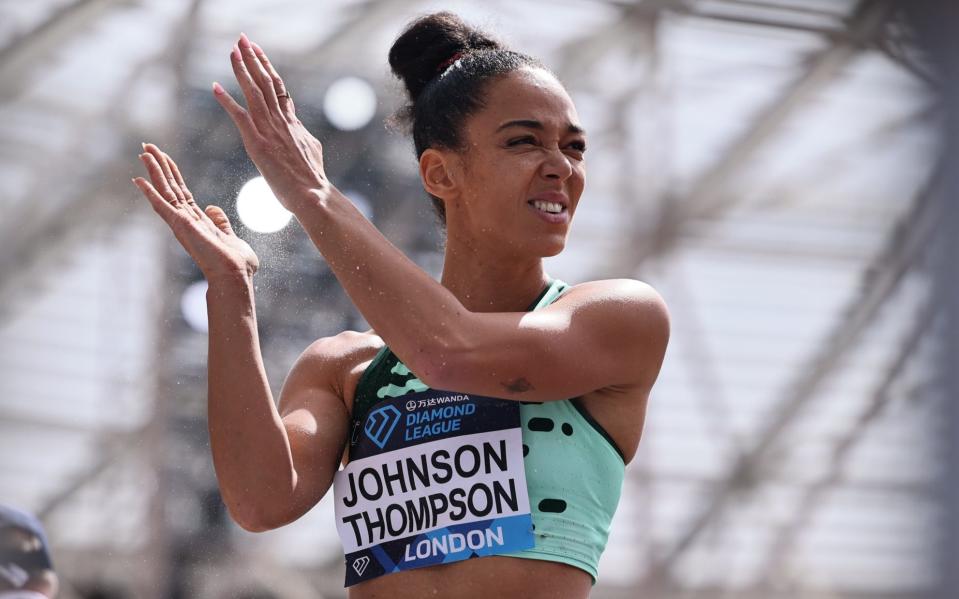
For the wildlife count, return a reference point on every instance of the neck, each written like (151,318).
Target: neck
(484,282)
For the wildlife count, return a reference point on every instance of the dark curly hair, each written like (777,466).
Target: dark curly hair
(445,65)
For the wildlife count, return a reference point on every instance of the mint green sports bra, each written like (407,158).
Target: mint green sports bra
(574,470)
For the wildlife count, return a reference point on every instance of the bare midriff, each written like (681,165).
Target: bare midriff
(481,578)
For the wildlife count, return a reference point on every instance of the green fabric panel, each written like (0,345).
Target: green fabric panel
(574,477)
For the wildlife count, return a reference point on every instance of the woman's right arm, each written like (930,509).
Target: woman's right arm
(273,464)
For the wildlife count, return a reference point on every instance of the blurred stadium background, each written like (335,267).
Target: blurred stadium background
(777,169)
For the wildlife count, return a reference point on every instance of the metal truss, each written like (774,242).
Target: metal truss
(21,55)
(881,397)
(908,239)
(32,245)
(367,17)
(707,198)
(34,248)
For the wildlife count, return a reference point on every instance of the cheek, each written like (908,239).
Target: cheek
(504,180)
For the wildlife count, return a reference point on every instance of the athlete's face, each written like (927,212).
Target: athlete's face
(523,169)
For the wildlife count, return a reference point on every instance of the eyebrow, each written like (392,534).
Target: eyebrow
(534,124)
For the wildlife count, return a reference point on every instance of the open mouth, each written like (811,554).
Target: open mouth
(547,207)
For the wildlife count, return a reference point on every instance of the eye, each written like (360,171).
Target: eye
(526,139)
(578,145)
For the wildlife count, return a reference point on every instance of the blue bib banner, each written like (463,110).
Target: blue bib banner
(434,477)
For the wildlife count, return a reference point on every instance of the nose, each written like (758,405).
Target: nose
(557,165)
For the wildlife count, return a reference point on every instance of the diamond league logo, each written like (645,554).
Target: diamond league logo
(380,424)
(410,405)
(360,564)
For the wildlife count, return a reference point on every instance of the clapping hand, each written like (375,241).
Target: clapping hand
(286,154)
(205,234)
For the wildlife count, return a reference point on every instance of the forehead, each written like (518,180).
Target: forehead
(527,93)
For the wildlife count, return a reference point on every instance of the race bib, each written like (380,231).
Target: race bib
(434,477)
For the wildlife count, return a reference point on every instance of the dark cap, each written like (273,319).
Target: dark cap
(26,556)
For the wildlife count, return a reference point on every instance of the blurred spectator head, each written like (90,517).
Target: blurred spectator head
(26,571)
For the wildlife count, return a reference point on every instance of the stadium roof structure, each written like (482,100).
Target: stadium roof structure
(767,165)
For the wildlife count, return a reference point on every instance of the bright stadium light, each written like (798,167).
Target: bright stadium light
(350,103)
(193,306)
(259,209)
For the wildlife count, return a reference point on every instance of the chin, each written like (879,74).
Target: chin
(538,246)
(551,247)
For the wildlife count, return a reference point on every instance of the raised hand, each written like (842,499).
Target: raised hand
(206,235)
(286,154)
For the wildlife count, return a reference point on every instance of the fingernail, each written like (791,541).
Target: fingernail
(143,145)
(217,88)
(257,47)
(244,41)
(236,52)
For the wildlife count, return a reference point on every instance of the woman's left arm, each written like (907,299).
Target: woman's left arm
(599,334)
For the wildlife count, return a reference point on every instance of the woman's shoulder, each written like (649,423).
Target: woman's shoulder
(341,354)
(340,359)
(346,346)
(624,305)
(623,292)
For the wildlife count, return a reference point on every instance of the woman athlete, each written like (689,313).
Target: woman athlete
(494,355)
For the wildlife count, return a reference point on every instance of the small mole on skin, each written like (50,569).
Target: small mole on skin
(519,385)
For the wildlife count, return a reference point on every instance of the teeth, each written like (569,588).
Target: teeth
(551,207)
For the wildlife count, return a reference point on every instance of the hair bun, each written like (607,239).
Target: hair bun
(430,41)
